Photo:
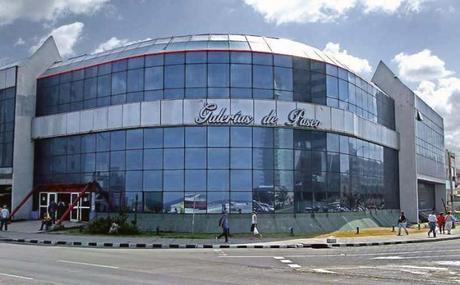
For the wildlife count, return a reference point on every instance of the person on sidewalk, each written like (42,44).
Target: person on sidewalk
(254,230)
(52,209)
(432,224)
(46,222)
(223,223)
(4,217)
(402,223)
(441,220)
(450,220)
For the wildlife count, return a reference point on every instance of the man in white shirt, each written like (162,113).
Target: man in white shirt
(4,216)
(432,224)
(254,229)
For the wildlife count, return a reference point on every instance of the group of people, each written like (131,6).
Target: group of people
(443,222)
(224,224)
(49,217)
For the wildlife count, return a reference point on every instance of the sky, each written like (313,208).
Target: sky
(418,39)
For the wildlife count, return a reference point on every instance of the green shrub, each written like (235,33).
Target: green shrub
(102,225)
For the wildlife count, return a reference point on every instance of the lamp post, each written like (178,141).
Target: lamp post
(449,163)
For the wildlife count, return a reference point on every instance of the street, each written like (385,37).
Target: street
(425,263)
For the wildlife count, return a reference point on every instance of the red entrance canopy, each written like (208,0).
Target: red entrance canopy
(67,188)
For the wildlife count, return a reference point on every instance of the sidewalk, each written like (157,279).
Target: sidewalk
(26,233)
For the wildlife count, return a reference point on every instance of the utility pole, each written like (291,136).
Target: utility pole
(449,163)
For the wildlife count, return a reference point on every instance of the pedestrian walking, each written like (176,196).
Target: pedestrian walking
(254,229)
(450,220)
(52,209)
(432,224)
(402,223)
(441,220)
(223,223)
(4,217)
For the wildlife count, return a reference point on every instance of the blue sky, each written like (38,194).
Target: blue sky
(418,39)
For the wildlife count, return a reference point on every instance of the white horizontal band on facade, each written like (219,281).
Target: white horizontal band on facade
(168,113)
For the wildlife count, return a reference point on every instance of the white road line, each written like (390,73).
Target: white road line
(88,264)
(294,265)
(320,270)
(387,257)
(278,257)
(285,261)
(449,262)
(16,276)
(372,254)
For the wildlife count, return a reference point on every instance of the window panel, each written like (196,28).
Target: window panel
(119,82)
(174,76)
(241,180)
(195,180)
(154,78)
(196,75)
(241,202)
(241,75)
(218,158)
(153,159)
(241,136)
(173,159)
(153,180)
(241,158)
(283,78)
(218,75)
(218,180)
(173,180)
(174,137)
(195,137)
(153,138)
(262,76)
(135,80)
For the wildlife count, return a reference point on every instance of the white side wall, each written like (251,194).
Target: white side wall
(23,154)
(405,125)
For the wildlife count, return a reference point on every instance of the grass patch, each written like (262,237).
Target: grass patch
(363,232)
(371,232)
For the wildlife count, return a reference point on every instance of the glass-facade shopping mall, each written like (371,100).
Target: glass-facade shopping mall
(211,123)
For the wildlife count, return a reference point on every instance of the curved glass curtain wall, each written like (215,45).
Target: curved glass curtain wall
(217,74)
(271,170)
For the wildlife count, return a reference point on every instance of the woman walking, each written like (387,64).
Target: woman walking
(450,220)
(402,223)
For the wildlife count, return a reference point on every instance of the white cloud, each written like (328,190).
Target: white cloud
(392,6)
(359,65)
(420,66)
(444,96)
(436,86)
(115,42)
(19,42)
(46,10)
(311,11)
(301,11)
(112,43)
(65,36)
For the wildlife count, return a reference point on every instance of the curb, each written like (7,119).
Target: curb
(359,244)
(210,246)
(145,245)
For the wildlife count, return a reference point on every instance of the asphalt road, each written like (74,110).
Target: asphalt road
(426,263)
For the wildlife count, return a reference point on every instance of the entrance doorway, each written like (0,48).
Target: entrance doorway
(80,212)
